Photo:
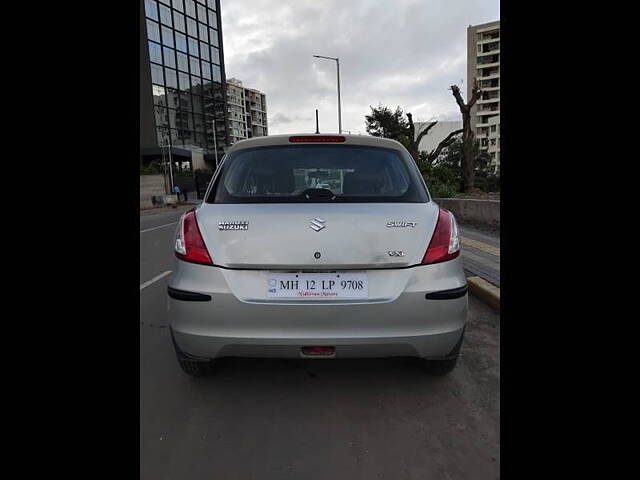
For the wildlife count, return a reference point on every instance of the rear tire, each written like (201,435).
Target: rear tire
(445,366)
(439,368)
(194,368)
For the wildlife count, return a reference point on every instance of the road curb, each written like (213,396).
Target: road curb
(485,291)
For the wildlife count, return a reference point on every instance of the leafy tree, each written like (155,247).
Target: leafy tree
(484,178)
(453,165)
(452,155)
(383,122)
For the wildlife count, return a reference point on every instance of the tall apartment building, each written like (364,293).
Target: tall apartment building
(247,111)
(182,81)
(483,64)
(236,110)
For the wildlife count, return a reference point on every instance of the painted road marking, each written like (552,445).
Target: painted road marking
(154,279)
(155,228)
(485,247)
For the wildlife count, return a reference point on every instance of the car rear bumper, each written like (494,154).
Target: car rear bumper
(415,323)
(436,346)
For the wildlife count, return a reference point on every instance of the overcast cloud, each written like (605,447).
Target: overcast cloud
(394,52)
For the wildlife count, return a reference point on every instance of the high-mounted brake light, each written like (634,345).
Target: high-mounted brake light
(316,139)
(190,246)
(445,243)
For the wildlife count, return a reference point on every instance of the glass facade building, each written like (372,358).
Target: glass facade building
(183,84)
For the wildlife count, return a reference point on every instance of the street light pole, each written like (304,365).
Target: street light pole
(339,106)
(337,60)
(164,169)
(215,142)
(170,162)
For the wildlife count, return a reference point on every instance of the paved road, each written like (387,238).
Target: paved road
(292,419)
(481,253)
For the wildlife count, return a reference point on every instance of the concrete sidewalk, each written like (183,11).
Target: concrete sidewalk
(481,253)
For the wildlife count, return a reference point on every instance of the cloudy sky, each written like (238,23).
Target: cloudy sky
(394,52)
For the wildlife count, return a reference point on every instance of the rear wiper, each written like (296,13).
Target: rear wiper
(318,194)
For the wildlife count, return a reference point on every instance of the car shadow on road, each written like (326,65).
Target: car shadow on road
(297,378)
(315,368)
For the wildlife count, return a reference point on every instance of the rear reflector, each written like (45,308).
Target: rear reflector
(190,246)
(316,139)
(318,350)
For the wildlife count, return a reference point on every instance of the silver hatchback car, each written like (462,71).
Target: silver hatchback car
(270,265)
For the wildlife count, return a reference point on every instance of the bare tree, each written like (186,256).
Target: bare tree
(433,155)
(468,137)
(415,142)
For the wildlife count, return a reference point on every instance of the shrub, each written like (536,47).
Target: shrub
(153,168)
(442,180)
(488,183)
(442,190)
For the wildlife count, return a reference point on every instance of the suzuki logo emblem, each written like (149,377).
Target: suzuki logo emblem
(317,224)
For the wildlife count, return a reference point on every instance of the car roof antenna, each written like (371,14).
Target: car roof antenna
(317,128)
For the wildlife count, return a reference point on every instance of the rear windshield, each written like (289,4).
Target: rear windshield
(318,173)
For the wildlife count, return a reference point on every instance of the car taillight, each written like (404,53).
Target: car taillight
(190,246)
(316,139)
(445,243)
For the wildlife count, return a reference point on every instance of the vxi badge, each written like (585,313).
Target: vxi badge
(237,225)
(401,224)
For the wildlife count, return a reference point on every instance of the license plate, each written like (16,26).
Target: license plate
(321,286)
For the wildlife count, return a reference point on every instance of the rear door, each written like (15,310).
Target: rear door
(316,208)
